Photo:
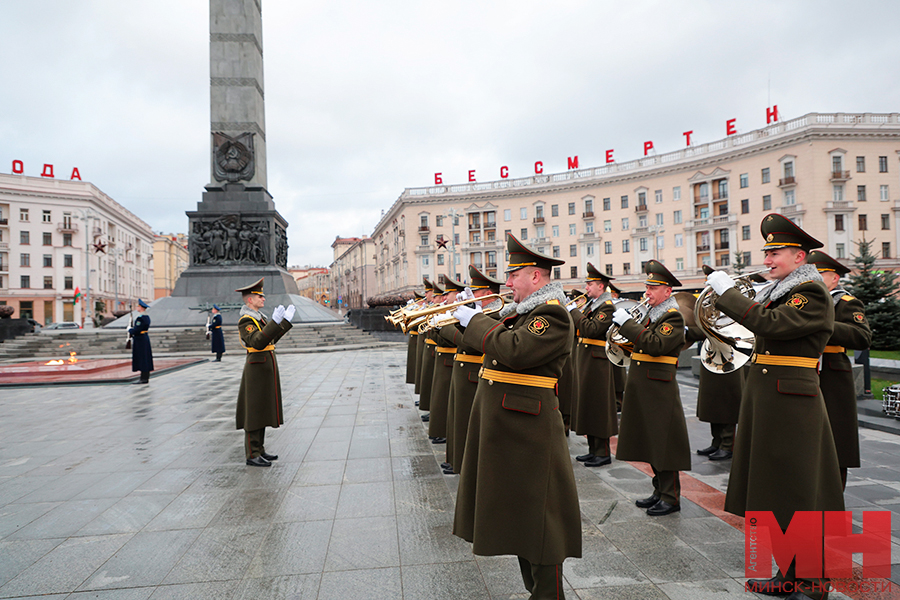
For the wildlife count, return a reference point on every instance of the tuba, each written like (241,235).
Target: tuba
(728,345)
(618,347)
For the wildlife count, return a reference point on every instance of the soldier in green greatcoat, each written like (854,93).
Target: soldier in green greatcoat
(426,373)
(594,410)
(517,491)
(851,332)
(443,372)
(420,340)
(412,347)
(784,454)
(653,428)
(259,398)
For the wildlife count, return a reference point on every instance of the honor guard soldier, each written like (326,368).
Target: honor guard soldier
(594,413)
(259,399)
(443,372)
(653,428)
(412,346)
(784,454)
(517,491)
(466,364)
(420,340)
(141,353)
(851,331)
(428,359)
(217,338)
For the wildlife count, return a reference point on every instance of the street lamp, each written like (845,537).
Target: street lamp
(86,214)
(452,213)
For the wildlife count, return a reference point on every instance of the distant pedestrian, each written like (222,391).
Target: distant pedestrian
(141,353)
(216,335)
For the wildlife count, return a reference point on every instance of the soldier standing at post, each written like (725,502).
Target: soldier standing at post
(653,428)
(851,330)
(784,454)
(517,491)
(217,338)
(259,399)
(141,353)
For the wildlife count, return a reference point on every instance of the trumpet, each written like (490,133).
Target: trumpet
(444,319)
(396,316)
(618,347)
(728,345)
(577,302)
(418,318)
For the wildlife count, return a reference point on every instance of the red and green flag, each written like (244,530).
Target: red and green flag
(78,294)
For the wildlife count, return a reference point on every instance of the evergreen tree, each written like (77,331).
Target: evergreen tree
(739,265)
(878,291)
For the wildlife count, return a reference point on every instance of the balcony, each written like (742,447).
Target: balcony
(538,220)
(70,227)
(4,246)
(640,208)
(839,206)
(722,246)
(589,236)
(474,226)
(492,264)
(490,224)
(4,221)
(424,229)
(703,248)
(787,181)
(791,209)
(588,215)
(701,199)
(4,268)
(840,175)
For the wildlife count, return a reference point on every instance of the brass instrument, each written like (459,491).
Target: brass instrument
(618,347)
(420,319)
(396,316)
(578,302)
(728,345)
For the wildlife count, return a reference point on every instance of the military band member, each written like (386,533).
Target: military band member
(443,372)
(619,373)
(517,491)
(141,352)
(566,389)
(420,341)
(851,331)
(594,413)
(259,398)
(466,365)
(217,338)
(653,428)
(428,359)
(412,347)
(784,455)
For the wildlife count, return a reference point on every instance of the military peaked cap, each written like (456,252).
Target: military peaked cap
(480,281)
(781,232)
(594,275)
(521,256)
(451,285)
(429,287)
(437,289)
(658,274)
(143,304)
(824,262)
(254,288)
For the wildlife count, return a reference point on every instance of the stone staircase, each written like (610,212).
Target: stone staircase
(104,342)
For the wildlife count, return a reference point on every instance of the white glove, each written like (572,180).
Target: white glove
(570,307)
(432,321)
(466,294)
(621,316)
(278,314)
(464,314)
(720,282)
(289,312)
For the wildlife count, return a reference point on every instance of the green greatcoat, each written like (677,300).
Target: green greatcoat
(719,395)
(259,398)
(653,428)
(427,373)
(420,358)
(784,455)
(594,412)
(411,355)
(440,386)
(851,330)
(517,491)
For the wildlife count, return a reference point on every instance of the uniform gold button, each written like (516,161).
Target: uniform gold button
(494,362)
(765,371)
(767,352)
(638,363)
(490,382)
(460,364)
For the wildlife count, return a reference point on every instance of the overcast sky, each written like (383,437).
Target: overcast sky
(364,99)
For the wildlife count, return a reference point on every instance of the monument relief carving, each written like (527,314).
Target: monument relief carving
(231,240)
(233,157)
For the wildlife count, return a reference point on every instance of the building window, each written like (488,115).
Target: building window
(48,260)
(572,229)
(555,230)
(676,217)
(424,240)
(679,264)
(25,280)
(658,196)
(67,282)
(767,202)
(838,223)
(589,227)
(589,206)
(23,214)
(642,244)
(723,188)
(456,239)
(555,251)
(624,201)
(606,205)
(885,222)
(766,178)
(425,261)
(67,239)
(573,272)
(626,268)
(861,193)
(676,193)
(839,251)
(48,282)
(679,240)
(745,232)
(571,208)
(507,214)
(863,223)
(745,206)
(554,210)
(573,250)
(24,260)
(67,260)
(838,193)
(608,269)
(24,237)
(48,238)
(885,249)
(45,216)
(539,231)
(607,226)
(659,219)
(882,164)
(788,170)
(626,245)
(642,221)
(745,180)
(523,213)
(642,199)
(439,220)
(884,193)
(789,198)
(607,247)
(539,211)
(860,164)
(423,221)
(440,259)
(556,274)
(523,233)
(589,250)
(625,225)
(837,165)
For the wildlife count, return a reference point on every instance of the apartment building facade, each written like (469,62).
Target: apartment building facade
(58,237)
(835,175)
(352,272)
(170,259)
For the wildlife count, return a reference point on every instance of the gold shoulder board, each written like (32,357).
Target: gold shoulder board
(846,297)
(552,301)
(672,310)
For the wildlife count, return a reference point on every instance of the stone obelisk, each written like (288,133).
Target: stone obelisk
(235,236)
